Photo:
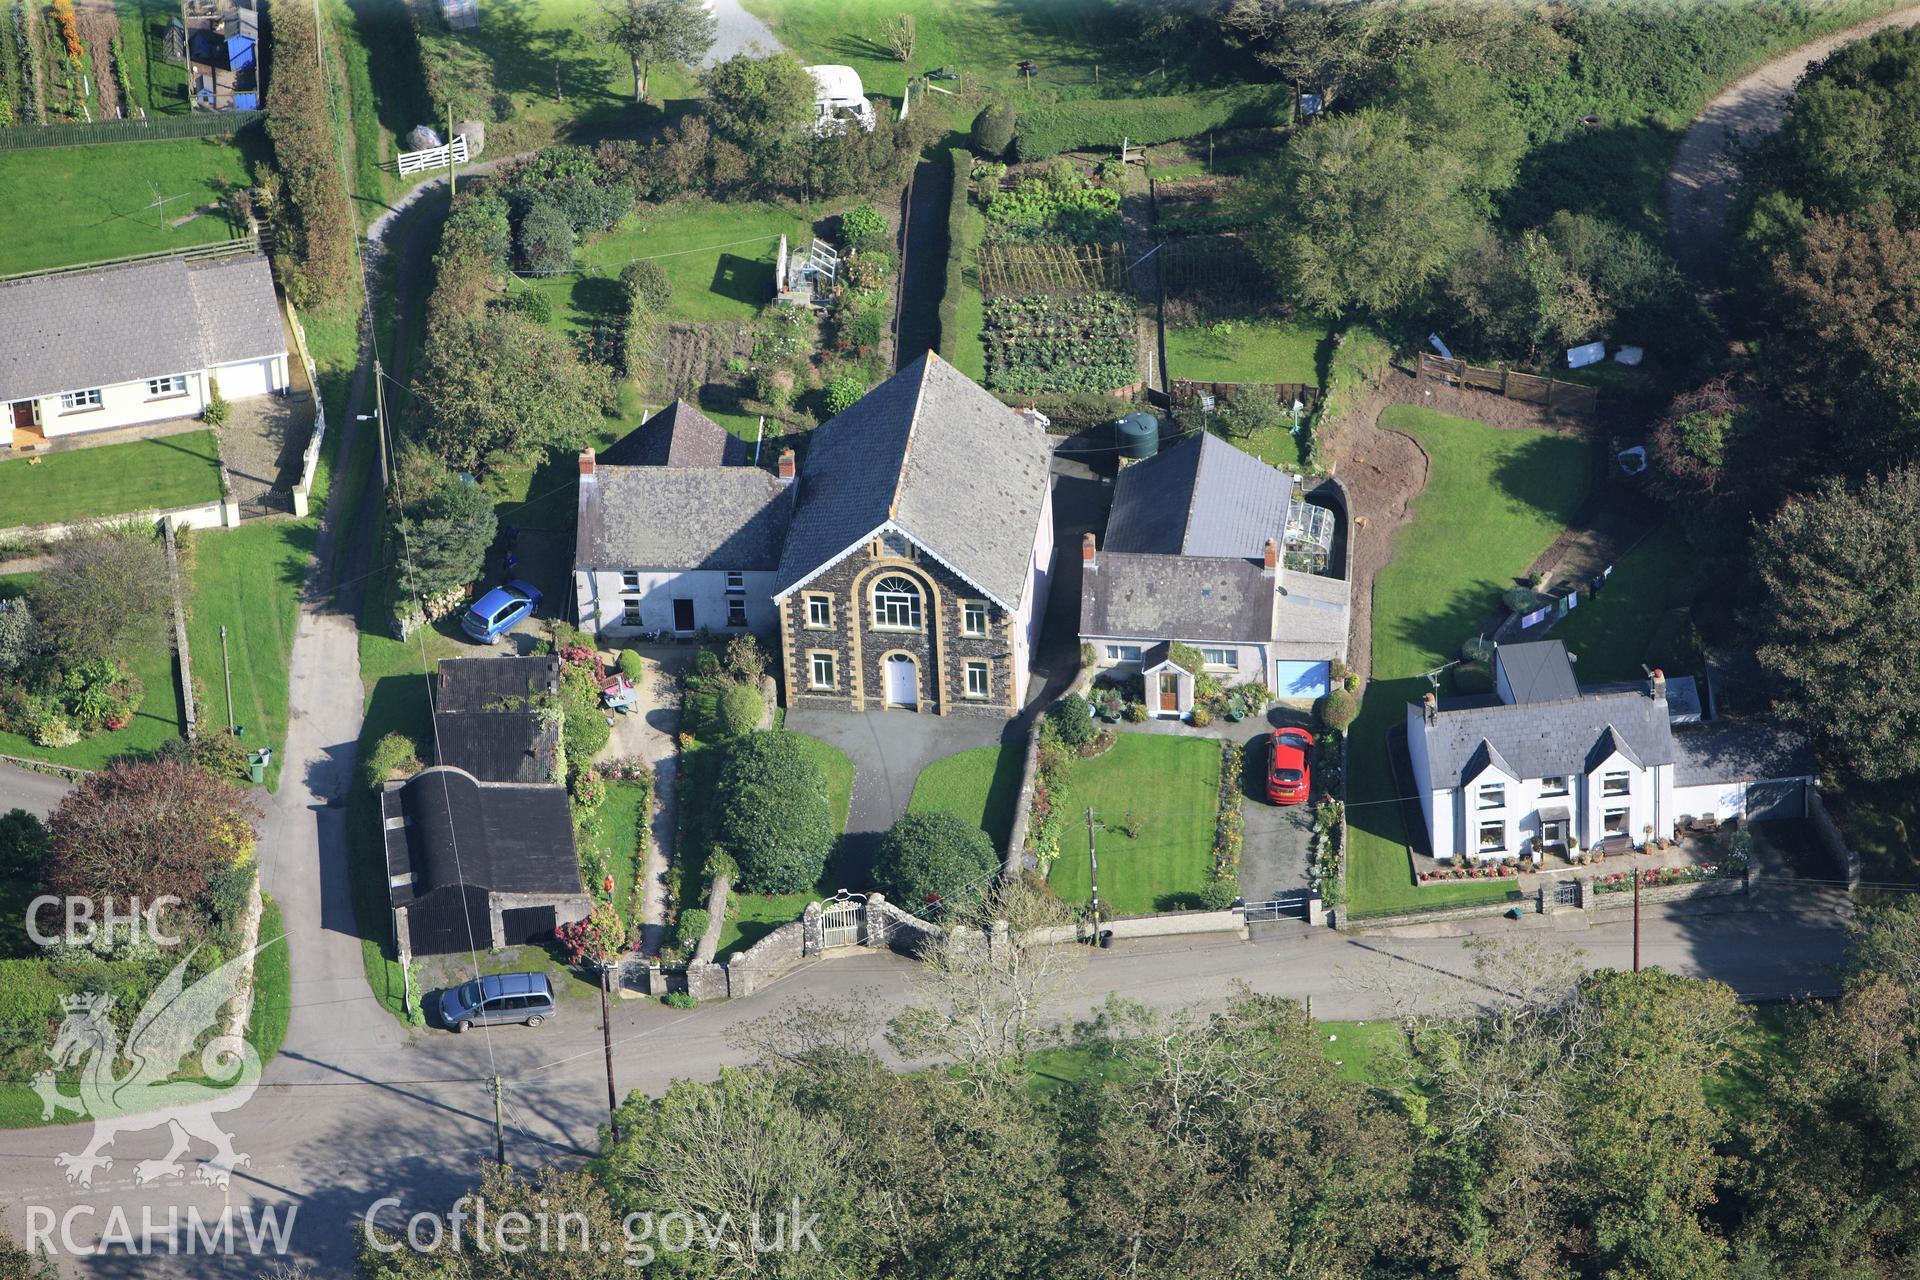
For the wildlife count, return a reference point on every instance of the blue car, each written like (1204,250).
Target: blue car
(495,613)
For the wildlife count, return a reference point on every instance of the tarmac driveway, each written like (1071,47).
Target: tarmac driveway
(888,750)
(1274,859)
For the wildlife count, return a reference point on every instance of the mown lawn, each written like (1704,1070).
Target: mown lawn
(754,915)
(614,832)
(159,86)
(160,718)
(981,785)
(968,351)
(1494,500)
(984,39)
(719,258)
(248,580)
(174,471)
(83,204)
(1171,786)
(1247,351)
(1639,618)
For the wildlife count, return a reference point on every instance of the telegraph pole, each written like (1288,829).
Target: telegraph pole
(606,1039)
(1636,919)
(380,421)
(499,1128)
(1093,877)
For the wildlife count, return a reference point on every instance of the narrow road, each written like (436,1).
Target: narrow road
(31,790)
(737,32)
(1705,172)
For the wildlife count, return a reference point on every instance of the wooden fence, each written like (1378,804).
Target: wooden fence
(1027,269)
(1555,395)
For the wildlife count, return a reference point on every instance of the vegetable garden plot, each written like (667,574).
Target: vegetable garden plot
(1083,343)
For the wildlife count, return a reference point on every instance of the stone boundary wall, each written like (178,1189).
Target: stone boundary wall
(1845,860)
(1718,887)
(242,1011)
(310,456)
(205,515)
(1436,915)
(1012,857)
(191,720)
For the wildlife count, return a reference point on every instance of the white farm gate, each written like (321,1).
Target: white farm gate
(454,152)
(840,922)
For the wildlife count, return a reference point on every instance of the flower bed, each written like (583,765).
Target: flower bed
(1484,871)
(1660,877)
(1053,343)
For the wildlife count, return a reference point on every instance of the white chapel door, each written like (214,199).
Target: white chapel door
(900,681)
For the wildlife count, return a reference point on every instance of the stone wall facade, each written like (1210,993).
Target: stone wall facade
(939,649)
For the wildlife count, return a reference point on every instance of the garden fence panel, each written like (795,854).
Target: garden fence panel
(202,124)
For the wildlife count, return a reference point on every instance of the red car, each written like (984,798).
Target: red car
(1289,777)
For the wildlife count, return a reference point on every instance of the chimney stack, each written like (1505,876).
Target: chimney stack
(1659,685)
(586,462)
(1088,545)
(1271,556)
(787,464)
(1429,707)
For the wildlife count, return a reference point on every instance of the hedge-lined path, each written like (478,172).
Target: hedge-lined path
(1706,172)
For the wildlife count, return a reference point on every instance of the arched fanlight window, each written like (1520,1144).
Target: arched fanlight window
(896,604)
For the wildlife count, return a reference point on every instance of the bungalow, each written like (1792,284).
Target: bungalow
(143,342)
(1195,554)
(1544,763)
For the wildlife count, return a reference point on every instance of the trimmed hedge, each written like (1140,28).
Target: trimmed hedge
(314,231)
(1086,123)
(949,339)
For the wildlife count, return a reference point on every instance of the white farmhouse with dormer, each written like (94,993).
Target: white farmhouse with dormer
(1544,763)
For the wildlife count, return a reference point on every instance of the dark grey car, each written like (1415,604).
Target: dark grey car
(499,997)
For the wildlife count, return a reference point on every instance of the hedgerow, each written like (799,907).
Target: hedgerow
(313,223)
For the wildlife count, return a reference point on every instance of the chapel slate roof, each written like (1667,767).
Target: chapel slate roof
(455,829)
(1546,739)
(1202,497)
(81,329)
(485,722)
(1171,597)
(677,436)
(682,517)
(959,472)
(1537,670)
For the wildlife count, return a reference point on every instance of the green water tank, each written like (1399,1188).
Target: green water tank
(1137,435)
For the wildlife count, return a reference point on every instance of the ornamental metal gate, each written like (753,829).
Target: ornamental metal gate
(1288,906)
(840,922)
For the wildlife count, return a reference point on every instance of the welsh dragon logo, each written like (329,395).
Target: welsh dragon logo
(145,1095)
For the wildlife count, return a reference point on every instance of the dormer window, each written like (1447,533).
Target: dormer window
(1493,795)
(1615,784)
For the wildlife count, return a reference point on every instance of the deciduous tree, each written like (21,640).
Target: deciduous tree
(147,828)
(105,593)
(649,31)
(499,385)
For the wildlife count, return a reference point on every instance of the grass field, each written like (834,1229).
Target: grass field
(1633,620)
(248,580)
(985,39)
(175,471)
(981,785)
(1247,351)
(1172,786)
(92,203)
(158,86)
(968,352)
(159,719)
(1494,500)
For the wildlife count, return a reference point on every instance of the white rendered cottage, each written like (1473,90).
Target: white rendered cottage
(1545,763)
(119,346)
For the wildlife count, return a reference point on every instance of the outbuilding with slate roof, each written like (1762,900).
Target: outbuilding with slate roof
(143,342)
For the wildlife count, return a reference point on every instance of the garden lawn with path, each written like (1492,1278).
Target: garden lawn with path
(1171,786)
(752,916)
(145,475)
(981,785)
(612,831)
(1494,500)
(160,719)
(247,580)
(1641,618)
(89,204)
(1268,351)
